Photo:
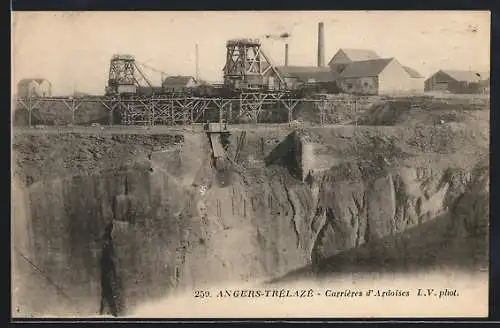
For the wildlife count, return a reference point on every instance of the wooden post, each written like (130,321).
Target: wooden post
(172,118)
(220,105)
(29,111)
(152,104)
(110,117)
(356,113)
(240,109)
(191,112)
(290,106)
(29,106)
(322,106)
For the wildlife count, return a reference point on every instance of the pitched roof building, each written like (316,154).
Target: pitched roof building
(365,68)
(306,74)
(455,81)
(178,83)
(36,87)
(379,76)
(346,55)
(463,76)
(358,71)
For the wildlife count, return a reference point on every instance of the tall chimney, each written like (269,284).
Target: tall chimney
(286,54)
(321,45)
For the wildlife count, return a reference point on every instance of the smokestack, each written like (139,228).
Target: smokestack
(321,45)
(197,67)
(286,54)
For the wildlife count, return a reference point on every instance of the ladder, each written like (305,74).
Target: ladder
(241,141)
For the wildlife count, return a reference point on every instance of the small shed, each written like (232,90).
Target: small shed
(178,83)
(454,81)
(34,88)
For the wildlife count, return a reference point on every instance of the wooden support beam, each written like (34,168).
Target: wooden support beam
(290,105)
(72,104)
(110,104)
(29,104)
(172,116)
(221,105)
(171,110)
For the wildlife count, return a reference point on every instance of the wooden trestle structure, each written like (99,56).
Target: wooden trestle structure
(164,110)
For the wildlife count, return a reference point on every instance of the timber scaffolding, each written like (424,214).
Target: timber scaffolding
(177,110)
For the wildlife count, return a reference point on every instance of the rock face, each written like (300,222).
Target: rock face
(178,227)
(354,209)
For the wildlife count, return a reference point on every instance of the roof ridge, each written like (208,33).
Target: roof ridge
(412,72)
(370,67)
(373,59)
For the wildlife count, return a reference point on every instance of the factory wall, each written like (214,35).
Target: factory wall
(359,85)
(394,79)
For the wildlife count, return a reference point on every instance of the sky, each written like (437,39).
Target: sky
(73,49)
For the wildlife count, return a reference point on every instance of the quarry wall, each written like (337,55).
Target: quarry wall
(292,199)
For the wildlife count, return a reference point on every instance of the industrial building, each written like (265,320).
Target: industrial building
(33,88)
(344,57)
(252,84)
(178,83)
(248,67)
(298,75)
(456,81)
(320,75)
(359,71)
(362,71)
(377,77)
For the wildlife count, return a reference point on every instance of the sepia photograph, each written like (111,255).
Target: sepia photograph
(250,164)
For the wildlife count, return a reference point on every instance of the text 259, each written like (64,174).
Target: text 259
(201,293)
